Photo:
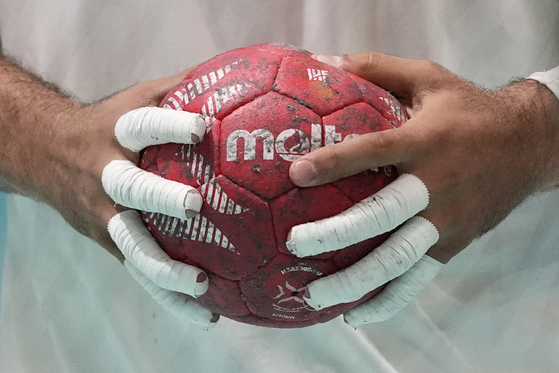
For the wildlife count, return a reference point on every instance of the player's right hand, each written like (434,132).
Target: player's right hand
(71,156)
(109,188)
(171,283)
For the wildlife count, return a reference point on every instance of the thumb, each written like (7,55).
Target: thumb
(152,92)
(402,77)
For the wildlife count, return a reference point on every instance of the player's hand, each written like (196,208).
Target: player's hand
(466,156)
(108,187)
(171,283)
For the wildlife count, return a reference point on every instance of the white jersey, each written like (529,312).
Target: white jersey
(68,306)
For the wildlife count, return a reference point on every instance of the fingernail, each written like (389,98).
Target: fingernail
(191,213)
(327,59)
(352,322)
(307,297)
(290,245)
(202,277)
(215,318)
(198,129)
(193,203)
(303,172)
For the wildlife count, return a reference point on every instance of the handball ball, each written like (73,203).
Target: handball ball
(267,105)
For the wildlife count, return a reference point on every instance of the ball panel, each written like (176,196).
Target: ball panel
(354,120)
(303,205)
(192,165)
(224,297)
(224,83)
(233,234)
(386,104)
(364,184)
(321,87)
(278,49)
(276,291)
(262,138)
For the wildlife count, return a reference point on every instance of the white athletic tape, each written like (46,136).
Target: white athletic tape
(139,247)
(181,305)
(389,260)
(548,78)
(133,187)
(140,128)
(396,295)
(379,213)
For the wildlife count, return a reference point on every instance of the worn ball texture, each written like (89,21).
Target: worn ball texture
(267,105)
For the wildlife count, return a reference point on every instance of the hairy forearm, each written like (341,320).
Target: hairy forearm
(539,107)
(32,113)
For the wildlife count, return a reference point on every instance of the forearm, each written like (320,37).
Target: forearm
(32,113)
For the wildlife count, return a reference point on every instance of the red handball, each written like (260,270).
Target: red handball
(268,105)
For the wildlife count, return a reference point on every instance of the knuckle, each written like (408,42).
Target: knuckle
(360,63)
(430,67)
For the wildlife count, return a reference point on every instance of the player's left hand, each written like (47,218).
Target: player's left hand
(467,157)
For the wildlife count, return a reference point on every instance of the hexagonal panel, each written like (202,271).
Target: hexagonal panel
(224,83)
(279,49)
(352,120)
(261,139)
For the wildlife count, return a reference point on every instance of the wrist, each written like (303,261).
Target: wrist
(32,116)
(537,105)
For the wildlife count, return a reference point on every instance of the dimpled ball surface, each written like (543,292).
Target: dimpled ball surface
(267,105)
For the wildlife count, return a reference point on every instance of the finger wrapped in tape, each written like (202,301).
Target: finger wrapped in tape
(396,295)
(142,251)
(181,305)
(389,260)
(130,186)
(377,214)
(140,128)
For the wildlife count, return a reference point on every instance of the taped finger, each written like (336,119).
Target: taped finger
(389,260)
(140,128)
(396,295)
(130,186)
(377,214)
(142,251)
(181,305)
